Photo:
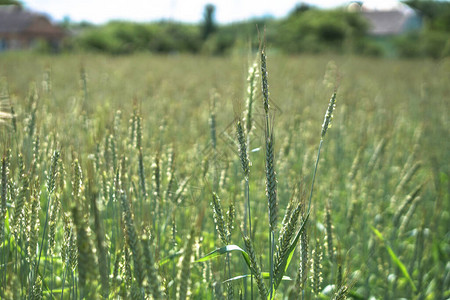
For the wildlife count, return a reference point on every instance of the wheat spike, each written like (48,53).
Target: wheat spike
(316,276)
(154,281)
(251,88)
(264,83)
(284,243)
(376,154)
(329,233)
(328,115)
(133,241)
(170,174)
(341,294)
(231,214)
(36,293)
(3,195)
(51,180)
(34,222)
(126,267)
(303,272)
(22,197)
(355,165)
(212,121)
(54,213)
(405,204)
(86,259)
(271,184)
(230,291)
(408,215)
(33,100)
(256,270)
(219,219)
(407,177)
(68,231)
(102,254)
(243,155)
(185,268)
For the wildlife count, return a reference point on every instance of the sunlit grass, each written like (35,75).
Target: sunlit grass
(134,138)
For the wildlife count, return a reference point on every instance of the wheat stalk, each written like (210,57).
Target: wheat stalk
(101,246)
(154,280)
(284,243)
(86,259)
(133,241)
(256,270)
(185,268)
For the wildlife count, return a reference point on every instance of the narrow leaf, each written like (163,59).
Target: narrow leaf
(287,260)
(166,259)
(395,259)
(225,250)
(265,275)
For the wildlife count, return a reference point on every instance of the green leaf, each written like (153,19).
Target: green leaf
(166,259)
(55,291)
(394,258)
(287,260)
(7,228)
(265,275)
(225,250)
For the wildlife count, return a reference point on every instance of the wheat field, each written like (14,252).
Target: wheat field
(177,177)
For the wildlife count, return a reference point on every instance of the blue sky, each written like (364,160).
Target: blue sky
(100,11)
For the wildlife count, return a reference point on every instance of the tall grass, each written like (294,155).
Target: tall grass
(105,178)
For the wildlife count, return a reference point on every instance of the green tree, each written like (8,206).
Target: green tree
(209,25)
(315,30)
(11,2)
(435,13)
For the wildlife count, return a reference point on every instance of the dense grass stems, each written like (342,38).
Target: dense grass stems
(132,240)
(105,163)
(153,279)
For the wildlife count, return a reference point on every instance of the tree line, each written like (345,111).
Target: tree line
(304,29)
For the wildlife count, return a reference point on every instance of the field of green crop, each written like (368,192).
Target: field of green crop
(121,176)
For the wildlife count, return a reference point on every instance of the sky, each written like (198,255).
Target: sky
(191,11)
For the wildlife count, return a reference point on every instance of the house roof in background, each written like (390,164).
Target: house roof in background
(386,22)
(15,19)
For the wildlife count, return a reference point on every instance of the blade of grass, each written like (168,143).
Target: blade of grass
(395,258)
(265,275)
(225,250)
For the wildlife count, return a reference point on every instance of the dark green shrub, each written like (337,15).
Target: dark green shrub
(319,31)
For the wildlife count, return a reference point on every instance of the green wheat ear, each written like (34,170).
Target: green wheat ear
(255,268)
(132,238)
(87,275)
(328,116)
(316,276)
(185,268)
(271,184)
(243,155)
(219,219)
(264,82)
(154,280)
(251,89)
(284,243)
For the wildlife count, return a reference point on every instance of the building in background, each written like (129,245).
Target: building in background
(21,29)
(392,20)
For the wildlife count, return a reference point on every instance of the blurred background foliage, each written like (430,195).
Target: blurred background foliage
(306,29)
